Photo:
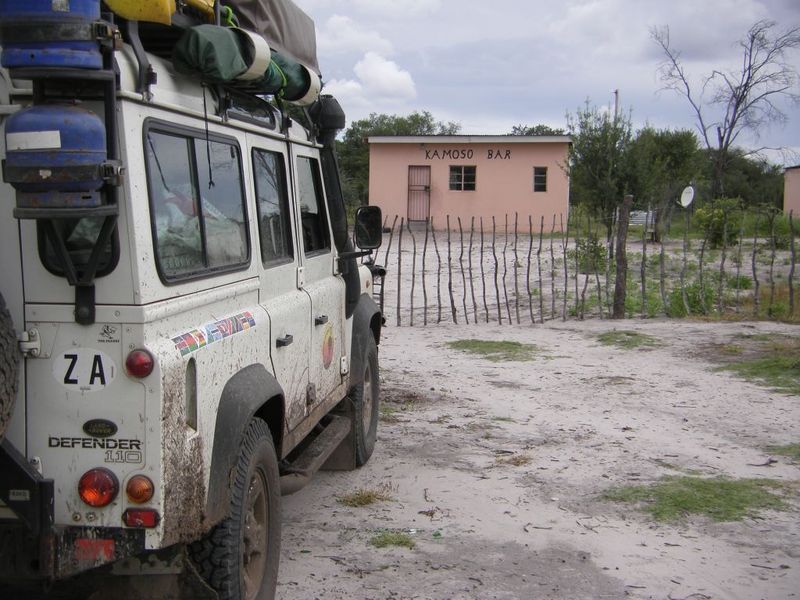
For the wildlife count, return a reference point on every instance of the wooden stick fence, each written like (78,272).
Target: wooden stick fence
(521,287)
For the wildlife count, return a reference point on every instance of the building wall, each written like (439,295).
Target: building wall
(504,182)
(791,191)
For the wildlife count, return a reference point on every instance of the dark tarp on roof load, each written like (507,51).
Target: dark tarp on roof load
(286,27)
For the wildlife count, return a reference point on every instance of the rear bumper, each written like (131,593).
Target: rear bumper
(31,547)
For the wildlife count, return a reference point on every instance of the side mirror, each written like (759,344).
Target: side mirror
(369,227)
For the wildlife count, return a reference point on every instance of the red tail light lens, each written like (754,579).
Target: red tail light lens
(139,363)
(98,487)
(139,489)
(146,518)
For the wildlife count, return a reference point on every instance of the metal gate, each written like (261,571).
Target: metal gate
(419,193)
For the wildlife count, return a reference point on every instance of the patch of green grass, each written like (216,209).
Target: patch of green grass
(790,450)
(626,340)
(496,351)
(365,497)
(384,539)
(389,414)
(781,373)
(774,362)
(720,499)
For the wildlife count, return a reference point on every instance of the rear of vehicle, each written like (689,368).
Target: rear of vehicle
(186,316)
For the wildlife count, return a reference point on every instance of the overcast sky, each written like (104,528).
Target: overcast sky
(490,65)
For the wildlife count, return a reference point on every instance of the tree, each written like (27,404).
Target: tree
(729,103)
(353,150)
(662,163)
(535,130)
(598,161)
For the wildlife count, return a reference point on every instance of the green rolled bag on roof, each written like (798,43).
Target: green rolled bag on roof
(224,55)
(209,52)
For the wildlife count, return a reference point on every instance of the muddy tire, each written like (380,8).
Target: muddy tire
(239,557)
(366,405)
(9,363)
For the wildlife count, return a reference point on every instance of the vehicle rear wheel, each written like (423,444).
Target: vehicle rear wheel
(9,364)
(366,405)
(239,557)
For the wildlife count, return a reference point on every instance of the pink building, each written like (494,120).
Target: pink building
(791,191)
(431,177)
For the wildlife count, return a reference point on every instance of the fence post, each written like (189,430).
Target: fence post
(721,286)
(792,258)
(471,278)
(450,274)
(413,272)
(756,283)
(621,278)
(438,275)
(516,268)
(399,267)
(424,287)
(773,251)
(496,268)
(552,271)
(461,267)
(684,295)
(528,272)
(539,270)
(643,266)
(505,269)
(483,278)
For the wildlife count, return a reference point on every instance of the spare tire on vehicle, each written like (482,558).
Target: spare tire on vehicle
(9,363)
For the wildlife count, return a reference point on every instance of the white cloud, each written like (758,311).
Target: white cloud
(398,8)
(380,85)
(384,78)
(341,34)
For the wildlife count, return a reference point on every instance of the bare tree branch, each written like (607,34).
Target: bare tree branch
(747,98)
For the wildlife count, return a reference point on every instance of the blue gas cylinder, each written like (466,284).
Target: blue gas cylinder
(49,33)
(55,155)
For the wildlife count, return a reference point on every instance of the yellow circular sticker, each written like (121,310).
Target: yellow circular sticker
(327,346)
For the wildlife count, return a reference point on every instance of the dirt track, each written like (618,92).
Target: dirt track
(579,419)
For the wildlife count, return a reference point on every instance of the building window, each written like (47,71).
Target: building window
(539,179)
(462,179)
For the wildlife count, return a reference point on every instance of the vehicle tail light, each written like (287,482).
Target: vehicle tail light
(139,363)
(98,487)
(139,489)
(145,518)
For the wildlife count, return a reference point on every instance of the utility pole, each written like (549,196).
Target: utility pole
(616,105)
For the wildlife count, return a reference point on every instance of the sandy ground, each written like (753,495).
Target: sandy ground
(589,417)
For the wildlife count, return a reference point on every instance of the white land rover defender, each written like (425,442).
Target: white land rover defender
(185,331)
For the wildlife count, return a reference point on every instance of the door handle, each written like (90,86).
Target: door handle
(320,320)
(284,341)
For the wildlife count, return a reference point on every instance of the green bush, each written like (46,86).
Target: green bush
(699,301)
(741,282)
(721,216)
(590,255)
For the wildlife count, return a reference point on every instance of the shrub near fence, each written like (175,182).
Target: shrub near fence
(510,272)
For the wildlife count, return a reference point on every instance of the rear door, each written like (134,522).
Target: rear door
(289,307)
(320,278)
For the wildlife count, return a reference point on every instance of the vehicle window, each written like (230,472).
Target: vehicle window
(314,222)
(197,204)
(274,225)
(79,237)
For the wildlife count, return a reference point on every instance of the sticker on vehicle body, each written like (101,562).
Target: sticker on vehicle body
(207,334)
(84,369)
(327,346)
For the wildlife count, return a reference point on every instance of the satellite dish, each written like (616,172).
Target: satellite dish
(687,195)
